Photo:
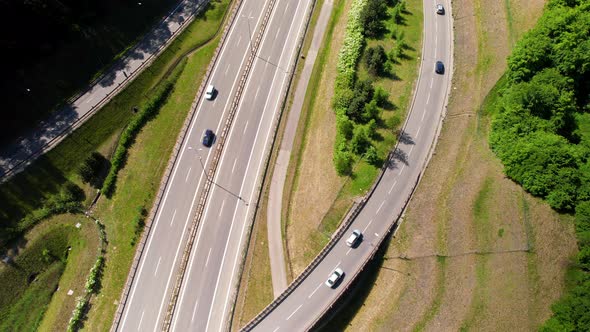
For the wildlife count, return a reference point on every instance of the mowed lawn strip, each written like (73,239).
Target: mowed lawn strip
(504,252)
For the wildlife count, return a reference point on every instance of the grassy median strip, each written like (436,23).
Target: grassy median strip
(184,62)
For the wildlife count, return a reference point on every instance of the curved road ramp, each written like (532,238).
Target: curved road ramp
(308,298)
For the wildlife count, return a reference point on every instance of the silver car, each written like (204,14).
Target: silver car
(354,238)
(210,92)
(334,277)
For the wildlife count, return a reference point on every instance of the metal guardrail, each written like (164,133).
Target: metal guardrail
(128,79)
(165,179)
(214,163)
(353,214)
(261,179)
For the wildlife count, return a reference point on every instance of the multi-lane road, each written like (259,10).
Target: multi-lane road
(311,298)
(205,299)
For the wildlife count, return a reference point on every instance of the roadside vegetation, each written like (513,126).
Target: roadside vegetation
(539,133)
(367,84)
(143,121)
(61,48)
(44,266)
(474,251)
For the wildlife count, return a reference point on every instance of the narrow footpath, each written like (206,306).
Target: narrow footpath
(275,237)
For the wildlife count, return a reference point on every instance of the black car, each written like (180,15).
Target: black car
(439,67)
(208,137)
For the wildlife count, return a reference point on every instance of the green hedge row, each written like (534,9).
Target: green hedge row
(130,133)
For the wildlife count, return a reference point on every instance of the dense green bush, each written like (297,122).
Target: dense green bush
(356,103)
(536,133)
(375,59)
(91,169)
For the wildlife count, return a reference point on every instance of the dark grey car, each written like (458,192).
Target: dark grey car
(439,67)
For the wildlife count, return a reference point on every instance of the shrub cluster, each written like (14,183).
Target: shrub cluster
(78,314)
(131,132)
(91,169)
(95,274)
(536,133)
(139,223)
(356,103)
(92,283)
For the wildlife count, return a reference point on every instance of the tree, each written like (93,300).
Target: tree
(356,109)
(91,169)
(364,89)
(375,59)
(372,157)
(381,97)
(372,17)
(345,126)
(397,14)
(371,111)
(343,162)
(360,140)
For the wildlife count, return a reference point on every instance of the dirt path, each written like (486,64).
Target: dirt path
(474,252)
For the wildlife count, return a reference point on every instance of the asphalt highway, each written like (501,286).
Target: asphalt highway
(150,290)
(208,287)
(312,298)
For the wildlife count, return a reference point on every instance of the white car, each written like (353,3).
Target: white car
(354,238)
(440,10)
(210,92)
(334,277)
